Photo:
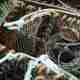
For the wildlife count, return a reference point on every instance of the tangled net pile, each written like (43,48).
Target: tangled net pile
(48,27)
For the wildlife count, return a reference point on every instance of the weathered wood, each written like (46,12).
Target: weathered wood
(8,39)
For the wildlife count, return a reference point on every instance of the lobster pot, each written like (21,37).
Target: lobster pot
(39,26)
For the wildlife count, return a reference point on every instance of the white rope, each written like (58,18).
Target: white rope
(25,19)
(43,58)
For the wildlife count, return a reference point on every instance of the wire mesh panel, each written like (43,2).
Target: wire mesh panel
(23,43)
